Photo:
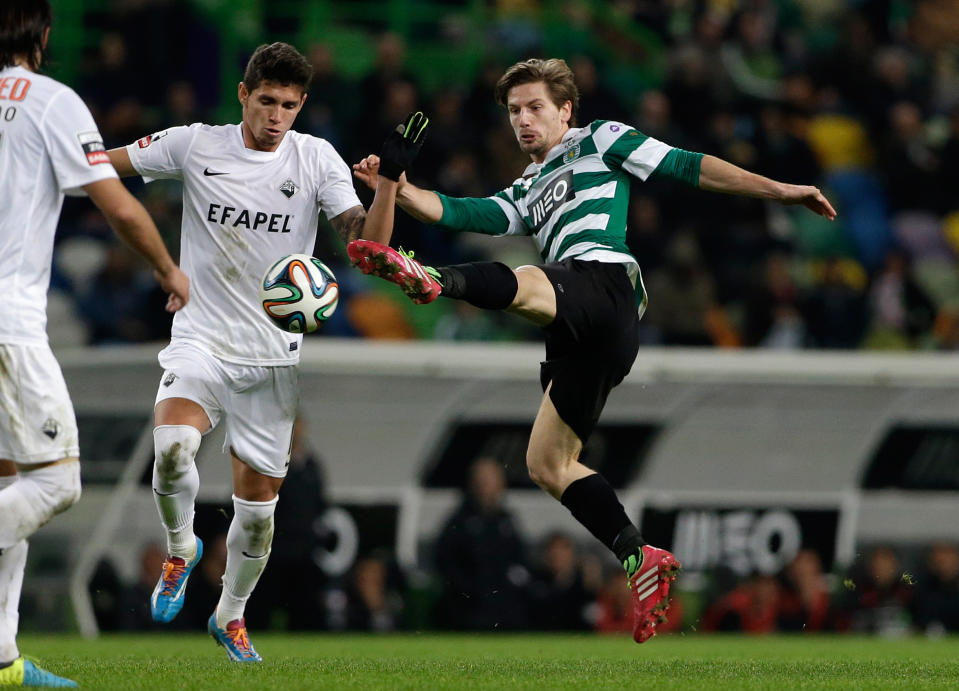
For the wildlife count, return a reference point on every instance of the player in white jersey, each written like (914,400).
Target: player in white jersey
(573,201)
(252,193)
(49,145)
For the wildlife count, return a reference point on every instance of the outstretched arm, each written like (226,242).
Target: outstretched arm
(398,152)
(376,224)
(423,205)
(718,175)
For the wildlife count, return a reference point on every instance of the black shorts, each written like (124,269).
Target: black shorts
(592,343)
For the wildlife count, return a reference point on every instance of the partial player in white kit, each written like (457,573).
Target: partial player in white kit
(49,146)
(252,193)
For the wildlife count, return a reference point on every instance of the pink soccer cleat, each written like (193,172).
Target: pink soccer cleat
(417,281)
(650,586)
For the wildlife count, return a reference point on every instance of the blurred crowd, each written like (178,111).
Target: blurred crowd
(481,573)
(860,98)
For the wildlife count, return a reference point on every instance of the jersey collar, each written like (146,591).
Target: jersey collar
(253,154)
(571,134)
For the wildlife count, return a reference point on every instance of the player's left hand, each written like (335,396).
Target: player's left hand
(402,145)
(811,198)
(177,284)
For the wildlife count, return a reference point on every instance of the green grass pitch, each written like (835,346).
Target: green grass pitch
(421,661)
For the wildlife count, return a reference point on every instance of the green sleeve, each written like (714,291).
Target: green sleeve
(680,165)
(475,215)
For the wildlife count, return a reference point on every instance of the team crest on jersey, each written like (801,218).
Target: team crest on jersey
(51,428)
(92,145)
(572,154)
(288,188)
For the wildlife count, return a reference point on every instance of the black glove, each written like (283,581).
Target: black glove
(402,145)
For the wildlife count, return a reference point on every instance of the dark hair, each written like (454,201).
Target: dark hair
(277,62)
(555,73)
(22,25)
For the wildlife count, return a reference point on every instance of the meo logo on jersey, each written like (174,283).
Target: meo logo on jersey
(557,193)
(92,144)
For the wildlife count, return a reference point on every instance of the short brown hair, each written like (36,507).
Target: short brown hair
(22,25)
(555,73)
(278,62)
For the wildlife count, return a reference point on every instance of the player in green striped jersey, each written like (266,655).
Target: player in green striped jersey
(587,295)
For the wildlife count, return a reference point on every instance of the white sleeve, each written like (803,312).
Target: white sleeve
(162,154)
(335,193)
(74,143)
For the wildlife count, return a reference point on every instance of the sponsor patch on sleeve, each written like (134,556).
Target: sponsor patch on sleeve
(149,139)
(92,144)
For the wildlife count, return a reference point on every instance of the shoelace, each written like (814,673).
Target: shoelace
(430,271)
(171,576)
(240,639)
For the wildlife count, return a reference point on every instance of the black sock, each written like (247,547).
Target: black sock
(488,285)
(593,503)
(4,665)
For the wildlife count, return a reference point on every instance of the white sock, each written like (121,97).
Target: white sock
(247,551)
(176,484)
(13,560)
(36,497)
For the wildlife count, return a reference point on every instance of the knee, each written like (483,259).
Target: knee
(174,448)
(543,470)
(535,295)
(254,519)
(53,489)
(70,489)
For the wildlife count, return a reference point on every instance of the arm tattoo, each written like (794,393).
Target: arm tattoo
(349,224)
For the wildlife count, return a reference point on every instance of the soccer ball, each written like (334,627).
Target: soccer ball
(298,293)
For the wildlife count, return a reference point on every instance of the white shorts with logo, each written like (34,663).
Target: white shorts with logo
(258,404)
(37,422)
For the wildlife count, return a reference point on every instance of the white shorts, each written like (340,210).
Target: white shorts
(37,422)
(258,403)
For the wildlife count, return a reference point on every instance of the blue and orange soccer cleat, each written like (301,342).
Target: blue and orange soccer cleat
(234,639)
(650,586)
(417,281)
(22,672)
(169,595)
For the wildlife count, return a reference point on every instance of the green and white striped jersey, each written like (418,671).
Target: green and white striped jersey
(574,204)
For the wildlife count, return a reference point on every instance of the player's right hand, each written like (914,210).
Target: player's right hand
(810,197)
(177,285)
(367,171)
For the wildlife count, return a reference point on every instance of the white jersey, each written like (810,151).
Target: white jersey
(49,145)
(242,210)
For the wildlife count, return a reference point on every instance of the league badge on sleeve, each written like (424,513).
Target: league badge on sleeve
(92,144)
